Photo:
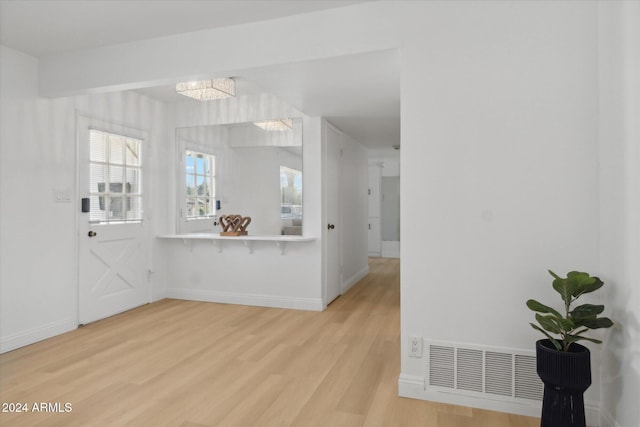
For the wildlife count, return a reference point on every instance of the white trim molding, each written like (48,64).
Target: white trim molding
(310,304)
(413,386)
(354,279)
(31,336)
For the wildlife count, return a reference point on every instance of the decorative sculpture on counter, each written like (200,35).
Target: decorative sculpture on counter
(234,225)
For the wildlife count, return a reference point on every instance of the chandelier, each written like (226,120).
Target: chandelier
(206,90)
(275,125)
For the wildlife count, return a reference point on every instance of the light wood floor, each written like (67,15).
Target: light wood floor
(190,364)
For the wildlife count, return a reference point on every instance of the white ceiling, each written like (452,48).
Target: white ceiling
(360,94)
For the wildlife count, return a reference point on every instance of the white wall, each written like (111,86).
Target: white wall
(355,210)
(499,167)
(619,66)
(200,271)
(38,278)
(390,162)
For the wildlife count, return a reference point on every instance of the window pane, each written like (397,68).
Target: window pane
(190,163)
(199,184)
(116,177)
(133,181)
(200,165)
(134,208)
(203,186)
(132,152)
(97,178)
(116,149)
(290,186)
(192,206)
(117,208)
(191,185)
(97,146)
(291,197)
(97,212)
(203,207)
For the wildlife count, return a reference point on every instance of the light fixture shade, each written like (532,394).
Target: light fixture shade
(206,90)
(275,125)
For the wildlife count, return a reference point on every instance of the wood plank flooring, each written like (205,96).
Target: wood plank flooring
(193,364)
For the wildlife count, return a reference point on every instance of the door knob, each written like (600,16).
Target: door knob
(330,226)
(92,233)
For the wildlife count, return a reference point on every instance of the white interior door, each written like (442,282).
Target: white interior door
(333,232)
(113,255)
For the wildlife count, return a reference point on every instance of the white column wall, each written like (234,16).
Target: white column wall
(499,168)
(619,66)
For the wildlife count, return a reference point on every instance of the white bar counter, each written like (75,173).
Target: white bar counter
(218,241)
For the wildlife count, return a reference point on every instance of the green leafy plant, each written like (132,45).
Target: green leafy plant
(576,322)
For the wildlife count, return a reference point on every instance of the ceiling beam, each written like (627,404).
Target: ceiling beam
(223,51)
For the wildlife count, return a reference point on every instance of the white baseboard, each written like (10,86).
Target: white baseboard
(158,295)
(34,335)
(415,381)
(295,303)
(412,386)
(354,279)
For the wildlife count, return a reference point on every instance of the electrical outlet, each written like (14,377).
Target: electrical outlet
(415,346)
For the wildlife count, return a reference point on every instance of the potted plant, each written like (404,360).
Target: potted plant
(564,366)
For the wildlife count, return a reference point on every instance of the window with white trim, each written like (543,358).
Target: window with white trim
(115,178)
(200,176)
(290,192)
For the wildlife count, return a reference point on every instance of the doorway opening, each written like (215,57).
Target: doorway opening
(384,206)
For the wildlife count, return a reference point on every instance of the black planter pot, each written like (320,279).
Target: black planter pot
(566,376)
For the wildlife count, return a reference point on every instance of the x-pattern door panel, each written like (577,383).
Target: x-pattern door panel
(112,276)
(113,253)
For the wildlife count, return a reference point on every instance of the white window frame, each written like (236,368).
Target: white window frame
(106,196)
(208,177)
(193,224)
